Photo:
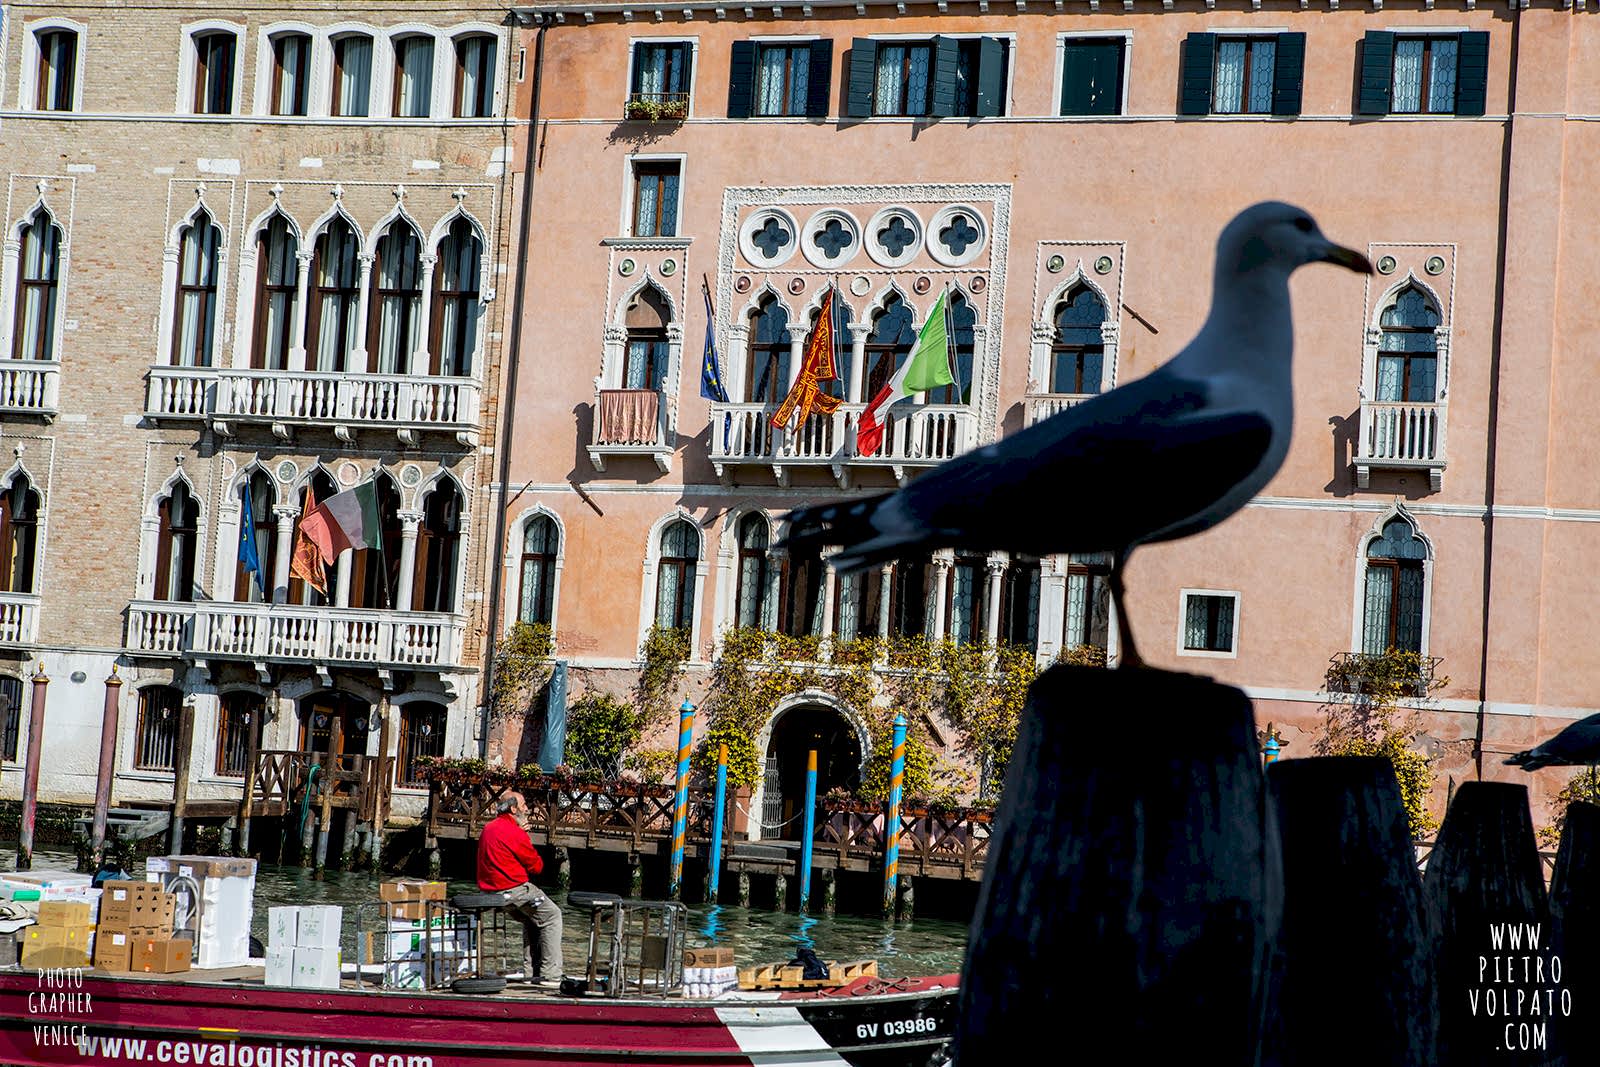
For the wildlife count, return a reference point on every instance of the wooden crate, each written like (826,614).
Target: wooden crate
(845,973)
(792,976)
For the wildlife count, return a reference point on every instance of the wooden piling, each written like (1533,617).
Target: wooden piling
(1483,877)
(1353,909)
(30,774)
(248,800)
(325,819)
(180,776)
(107,773)
(1133,887)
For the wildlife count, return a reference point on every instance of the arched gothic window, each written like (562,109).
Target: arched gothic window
(19,535)
(196,318)
(1392,609)
(438,550)
(962,341)
(175,545)
(375,571)
(675,574)
(889,344)
(541,543)
(396,315)
(277,290)
(455,309)
(335,295)
(257,496)
(754,538)
(1408,350)
(320,488)
(644,364)
(1077,356)
(767,370)
(38,278)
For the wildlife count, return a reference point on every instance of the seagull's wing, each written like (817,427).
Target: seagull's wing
(1577,745)
(1155,450)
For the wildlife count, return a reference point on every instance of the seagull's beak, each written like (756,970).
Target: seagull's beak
(1348,258)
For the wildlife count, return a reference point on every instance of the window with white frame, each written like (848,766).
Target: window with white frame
(660,79)
(474,89)
(675,575)
(351,90)
(1091,75)
(752,591)
(38,281)
(1210,623)
(256,499)
(155,745)
(196,313)
(176,545)
(655,197)
(1408,349)
(396,303)
(215,62)
(19,535)
(277,292)
(1077,354)
(413,77)
(239,716)
(56,79)
(1394,590)
(536,576)
(456,300)
(289,91)
(941,76)
(332,329)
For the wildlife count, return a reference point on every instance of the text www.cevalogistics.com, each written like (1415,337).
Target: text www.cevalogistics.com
(236,1053)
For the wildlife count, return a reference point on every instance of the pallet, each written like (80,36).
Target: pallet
(791,976)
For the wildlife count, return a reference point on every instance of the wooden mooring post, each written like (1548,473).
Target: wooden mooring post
(1133,888)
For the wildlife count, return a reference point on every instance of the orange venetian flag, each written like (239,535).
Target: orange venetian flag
(816,367)
(306,561)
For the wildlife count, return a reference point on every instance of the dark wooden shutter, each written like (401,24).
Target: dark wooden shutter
(863,77)
(1288,73)
(1472,73)
(942,80)
(819,79)
(1091,77)
(1377,73)
(1199,52)
(741,79)
(991,77)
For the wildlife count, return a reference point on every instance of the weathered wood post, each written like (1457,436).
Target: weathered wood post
(1352,911)
(329,784)
(180,776)
(1486,889)
(108,765)
(1156,882)
(30,775)
(251,759)
(1574,890)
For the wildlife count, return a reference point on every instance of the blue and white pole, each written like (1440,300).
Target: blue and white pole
(716,824)
(891,826)
(680,805)
(810,830)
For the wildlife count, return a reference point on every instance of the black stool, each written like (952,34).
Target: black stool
(603,928)
(483,914)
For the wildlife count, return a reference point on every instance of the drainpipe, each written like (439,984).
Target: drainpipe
(508,407)
(1491,445)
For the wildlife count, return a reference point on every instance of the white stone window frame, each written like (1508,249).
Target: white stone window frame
(616,345)
(1062,39)
(1044,331)
(170,256)
(438,478)
(633,58)
(230,517)
(630,191)
(451,36)
(249,252)
(1373,337)
(127,762)
(513,566)
(757,220)
(431,242)
(300,358)
(319,62)
(1358,614)
(1008,37)
(188,58)
(42,526)
(942,218)
(28,76)
(815,224)
(1232,651)
(322,70)
(879,221)
(652,560)
(456,730)
(150,533)
(441,91)
(726,606)
(11,274)
(736,352)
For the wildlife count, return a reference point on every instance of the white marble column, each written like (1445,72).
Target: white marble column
(942,561)
(420,357)
(302,308)
(858,360)
(342,568)
(410,523)
(885,589)
(356,359)
(797,352)
(830,590)
(994,571)
(285,514)
(777,560)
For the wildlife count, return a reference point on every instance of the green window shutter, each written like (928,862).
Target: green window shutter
(942,82)
(991,77)
(819,79)
(1199,53)
(1472,73)
(741,79)
(1288,73)
(1091,77)
(863,77)
(1377,73)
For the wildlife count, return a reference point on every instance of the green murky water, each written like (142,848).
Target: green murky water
(905,948)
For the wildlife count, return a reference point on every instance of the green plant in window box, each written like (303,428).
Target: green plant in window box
(652,110)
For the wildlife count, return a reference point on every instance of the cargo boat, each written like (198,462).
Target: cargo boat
(229,1017)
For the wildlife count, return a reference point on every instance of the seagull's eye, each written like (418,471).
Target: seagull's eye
(1304,225)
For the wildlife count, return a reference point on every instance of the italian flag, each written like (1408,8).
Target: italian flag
(344,520)
(928,368)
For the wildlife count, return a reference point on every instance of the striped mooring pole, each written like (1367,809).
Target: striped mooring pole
(716,824)
(680,805)
(810,830)
(891,826)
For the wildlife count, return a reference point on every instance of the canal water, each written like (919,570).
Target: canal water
(903,948)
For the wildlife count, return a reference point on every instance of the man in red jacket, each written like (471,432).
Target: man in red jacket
(507,862)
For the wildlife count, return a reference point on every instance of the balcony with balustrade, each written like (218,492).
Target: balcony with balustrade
(631,422)
(916,436)
(1401,436)
(1040,406)
(317,637)
(407,405)
(19,619)
(30,387)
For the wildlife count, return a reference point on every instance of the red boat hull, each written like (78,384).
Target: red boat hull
(49,1019)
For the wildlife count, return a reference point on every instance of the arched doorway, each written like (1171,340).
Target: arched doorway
(321,711)
(795,733)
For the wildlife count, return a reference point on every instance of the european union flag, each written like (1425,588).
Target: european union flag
(248,556)
(710,370)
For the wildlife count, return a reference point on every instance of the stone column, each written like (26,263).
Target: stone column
(341,593)
(942,561)
(885,588)
(30,775)
(356,361)
(994,571)
(858,359)
(410,523)
(302,308)
(283,550)
(797,352)
(419,357)
(108,764)
(830,587)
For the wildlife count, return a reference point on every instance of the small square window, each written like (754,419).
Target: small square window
(655,197)
(1210,623)
(1425,75)
(661,80)
(1242,80)
(783,79)
(1091,75)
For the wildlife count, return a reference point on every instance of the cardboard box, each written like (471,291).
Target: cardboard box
(410,889)
(407,910)
(162,955)
(283,925)
(50,957)
(280,966)
(77,935)
(200,867)
(316,968)
(64,913)
(126,904)
(318,926)
(113,951)
(708,957)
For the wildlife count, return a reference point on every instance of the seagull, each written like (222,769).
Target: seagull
(1166,456)
(1576,746)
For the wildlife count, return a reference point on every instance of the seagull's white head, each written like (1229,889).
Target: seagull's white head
(1277,237)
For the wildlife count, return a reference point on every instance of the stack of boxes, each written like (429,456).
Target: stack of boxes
(709,972)
(63,936)
(219,922)
(135,930)
(419,951)
(303,946)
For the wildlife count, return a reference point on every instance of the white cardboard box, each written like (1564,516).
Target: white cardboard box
(318,926)
(221,927)
(283,926)
(316,968)
(280,966)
